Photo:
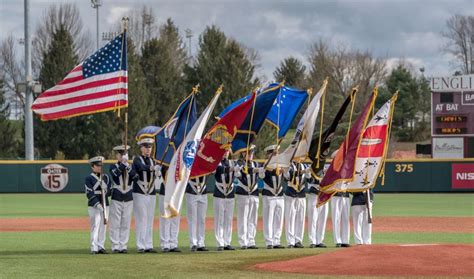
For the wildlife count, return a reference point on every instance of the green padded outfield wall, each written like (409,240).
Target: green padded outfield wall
(421,175)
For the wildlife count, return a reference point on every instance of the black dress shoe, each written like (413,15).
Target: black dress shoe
(102,251)
(202,249)
(193,248)
(290,246)
(124,251)
(151,250)
(253,247)
(175,250)
(321,245)
(229,248)
(115,251)
(299,245)
(220,248)
(269,246)
(141,251)
(243,248)
(165,250)
(345,245)
(338,245)
(312,246)
(278,247)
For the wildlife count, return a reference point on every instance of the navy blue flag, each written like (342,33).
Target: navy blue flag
(285,108)
(263,104)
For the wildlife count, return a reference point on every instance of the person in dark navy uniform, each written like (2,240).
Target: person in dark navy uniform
(317,216)
(273,204)
(295,203)
(144,196)
(360,217)
(96,185)
(169,227)
(121,205)
(247,198)
(224,200)
(196,209)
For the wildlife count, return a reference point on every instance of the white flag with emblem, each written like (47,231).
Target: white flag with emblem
(372,150)
(180,167)
(299,147)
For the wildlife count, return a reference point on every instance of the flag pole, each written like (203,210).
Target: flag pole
(321,128)
(125,137)
(246,169)
(278,139)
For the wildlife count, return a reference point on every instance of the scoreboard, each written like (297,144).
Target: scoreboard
(452,116)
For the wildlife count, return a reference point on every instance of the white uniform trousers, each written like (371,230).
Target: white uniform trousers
(223,217)
(196,209)
(273,210)
(98,229)
(120,216)
(295,209)
(317,218)
(340,207)
(362,228)
(247,216)
(144,211)
(169,227)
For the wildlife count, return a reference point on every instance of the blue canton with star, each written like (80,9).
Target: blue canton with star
(108,59)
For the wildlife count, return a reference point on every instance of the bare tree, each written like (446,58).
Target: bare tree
(460,35)
(142,26)
(68,16)
(12,71)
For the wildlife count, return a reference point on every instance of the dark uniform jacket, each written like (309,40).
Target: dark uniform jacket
(145,182)
(122,191)
(247,182)
(224,176)
(93,189)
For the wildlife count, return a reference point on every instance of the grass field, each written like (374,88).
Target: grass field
(65,254)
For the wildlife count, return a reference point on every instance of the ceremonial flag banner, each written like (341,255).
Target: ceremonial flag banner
(254,118)
(299,147)
(98,84)
(372,151)
(326,139)
(219,139)
(285,108)
(172,134)
(342,167)
(180,167)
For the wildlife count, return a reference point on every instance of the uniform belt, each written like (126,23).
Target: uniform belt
(221,187)
(271,189)
(143,186)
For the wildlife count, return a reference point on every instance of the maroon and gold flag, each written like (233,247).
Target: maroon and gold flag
(342,168)
(219,139)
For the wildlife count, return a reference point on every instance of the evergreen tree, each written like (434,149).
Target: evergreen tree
(8,144)
(221,61)
(292,71)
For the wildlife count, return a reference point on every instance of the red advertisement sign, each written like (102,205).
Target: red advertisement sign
(462,176)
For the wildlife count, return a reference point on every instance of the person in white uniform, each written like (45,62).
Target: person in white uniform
(169,227)
(196,210)
(340,206)
(144,196)
(121,205)
(97,188)
(360,217)
(295,204)
(273,204)
(247,198)
(224,201)
(317,216)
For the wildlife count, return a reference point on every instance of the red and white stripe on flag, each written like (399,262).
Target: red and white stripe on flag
(98,84)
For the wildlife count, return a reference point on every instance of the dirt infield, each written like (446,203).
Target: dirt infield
(384,260)
(381,224)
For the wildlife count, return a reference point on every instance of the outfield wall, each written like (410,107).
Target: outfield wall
(420,175)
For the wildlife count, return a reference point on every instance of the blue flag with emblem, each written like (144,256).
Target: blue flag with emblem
(286,108)
(169,138)
(254,118)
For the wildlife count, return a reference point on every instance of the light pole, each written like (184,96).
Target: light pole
(29,140)
(96,4)
(189,35)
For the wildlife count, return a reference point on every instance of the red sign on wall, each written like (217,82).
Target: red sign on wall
(462,176)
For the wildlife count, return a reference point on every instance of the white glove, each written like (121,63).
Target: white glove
(99,207)
(125,157)
(157,169)
(237,169)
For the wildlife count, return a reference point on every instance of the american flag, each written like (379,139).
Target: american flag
(98,84)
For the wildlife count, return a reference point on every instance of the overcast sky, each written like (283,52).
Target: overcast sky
(276,29)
